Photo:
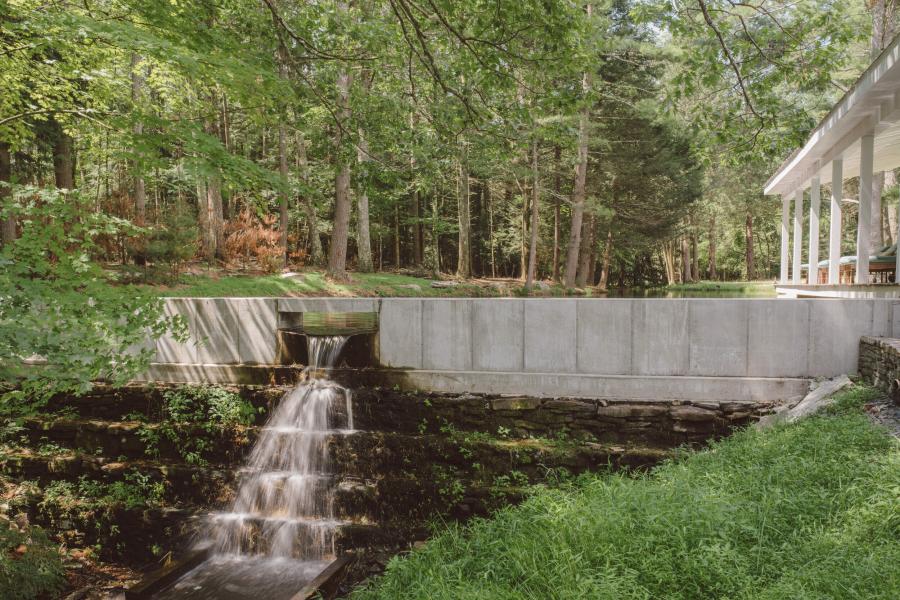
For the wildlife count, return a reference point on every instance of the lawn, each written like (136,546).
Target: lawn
(809,510)
(315,283)
(214,283)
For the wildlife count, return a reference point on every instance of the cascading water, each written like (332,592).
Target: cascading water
(281,527)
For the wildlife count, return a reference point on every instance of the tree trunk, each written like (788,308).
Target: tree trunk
(7,225)
(578,197)
(282,163)
(604,268)
(63,157)
(711,271)
(313,241)
(488,200)
(212,231)
(579,190)
(523,235)
(583,276)
(418,237)
(464,261)
(337,251)
(535,216)
(283,196)
(557,188)
(884,24)
(140,194)
(416,212)
(205,222)
(397,236)
(686,260)
(362,207)
(695,254)
(213,221)
(750,258)
(668,251)
(435,235)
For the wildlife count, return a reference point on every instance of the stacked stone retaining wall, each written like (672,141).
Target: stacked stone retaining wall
(879,361)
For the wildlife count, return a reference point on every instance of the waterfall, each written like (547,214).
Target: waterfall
(281,523)
(283,506)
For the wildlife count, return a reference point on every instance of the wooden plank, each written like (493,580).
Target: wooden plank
(161,578)
(325,584)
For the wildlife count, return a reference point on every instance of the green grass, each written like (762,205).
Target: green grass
(383,284)
(803,511)
(315,283)
(30,564)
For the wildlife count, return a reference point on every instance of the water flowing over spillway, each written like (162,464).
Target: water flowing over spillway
(280,529)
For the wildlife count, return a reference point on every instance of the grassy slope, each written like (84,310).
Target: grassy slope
(810,510)
(314,283)
(385,284)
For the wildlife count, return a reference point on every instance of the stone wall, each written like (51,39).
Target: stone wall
(879,361)
(608,421)
(413,457)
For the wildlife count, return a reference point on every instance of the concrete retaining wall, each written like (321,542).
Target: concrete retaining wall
(537,345)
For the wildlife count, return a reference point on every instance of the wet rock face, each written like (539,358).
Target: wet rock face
(413,456)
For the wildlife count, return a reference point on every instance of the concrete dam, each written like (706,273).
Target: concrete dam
(740,350)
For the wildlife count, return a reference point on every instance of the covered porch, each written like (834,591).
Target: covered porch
(860,137)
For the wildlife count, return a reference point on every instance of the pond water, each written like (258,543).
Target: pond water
(724,291)
(240,577)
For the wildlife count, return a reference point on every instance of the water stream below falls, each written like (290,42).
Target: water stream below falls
(280,530)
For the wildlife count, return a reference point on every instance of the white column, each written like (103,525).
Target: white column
(814,201)
(798,235)
(866,163)
(785,232)
(834,234)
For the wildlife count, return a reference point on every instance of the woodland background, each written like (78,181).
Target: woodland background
(596,143)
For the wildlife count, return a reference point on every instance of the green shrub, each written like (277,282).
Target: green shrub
(30,565)
(91,499)
(808,510)
(90,512)
(57,303)
(195,417)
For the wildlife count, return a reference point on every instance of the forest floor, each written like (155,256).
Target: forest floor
(200,281)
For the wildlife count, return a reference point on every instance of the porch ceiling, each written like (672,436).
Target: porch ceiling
(872,105)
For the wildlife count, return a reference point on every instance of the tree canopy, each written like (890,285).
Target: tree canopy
(595,142)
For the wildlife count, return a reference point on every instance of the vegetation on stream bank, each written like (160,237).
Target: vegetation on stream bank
(807,510)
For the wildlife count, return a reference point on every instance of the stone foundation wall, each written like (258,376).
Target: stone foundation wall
(618,421)
(879,361)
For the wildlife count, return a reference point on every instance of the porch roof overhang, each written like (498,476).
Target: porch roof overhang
(871,106)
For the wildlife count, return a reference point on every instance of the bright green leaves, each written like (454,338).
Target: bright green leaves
(757,77)
(62,325)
